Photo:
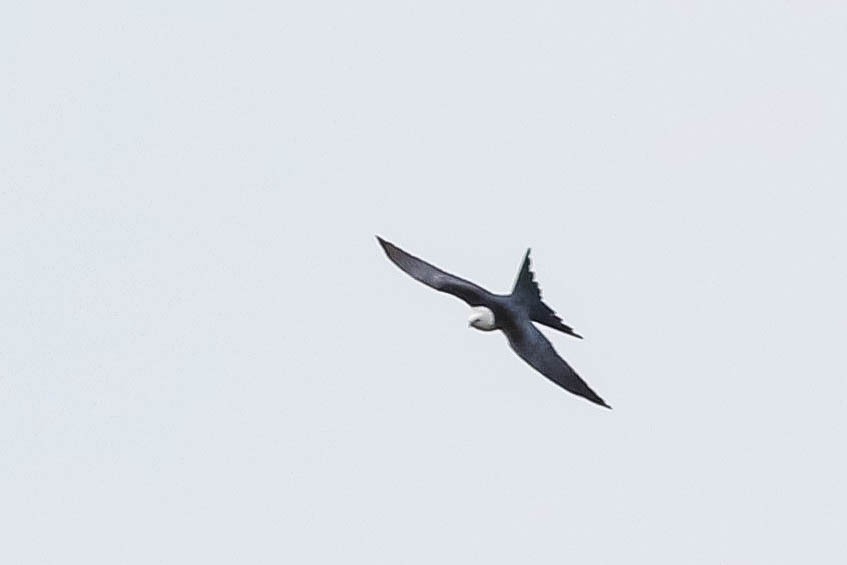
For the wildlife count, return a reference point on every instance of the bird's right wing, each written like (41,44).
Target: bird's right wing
(433,276)
(531,346)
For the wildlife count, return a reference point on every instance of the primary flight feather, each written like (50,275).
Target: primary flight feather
(512,314)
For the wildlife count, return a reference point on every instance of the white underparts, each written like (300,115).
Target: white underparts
(482,318)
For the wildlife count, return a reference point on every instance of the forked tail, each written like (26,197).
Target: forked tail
(526,290)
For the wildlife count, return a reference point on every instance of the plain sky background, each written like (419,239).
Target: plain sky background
(206,358)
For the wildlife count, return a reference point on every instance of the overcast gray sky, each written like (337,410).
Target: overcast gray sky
(205,357)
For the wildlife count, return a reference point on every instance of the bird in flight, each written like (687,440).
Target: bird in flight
(512,314)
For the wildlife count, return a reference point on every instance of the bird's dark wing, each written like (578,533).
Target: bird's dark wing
(435,277)
(531,345)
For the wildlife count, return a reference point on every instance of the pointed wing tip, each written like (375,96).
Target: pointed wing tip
(384,244)
(598,401)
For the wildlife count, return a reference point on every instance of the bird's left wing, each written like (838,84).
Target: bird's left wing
(435,277)
(531,345)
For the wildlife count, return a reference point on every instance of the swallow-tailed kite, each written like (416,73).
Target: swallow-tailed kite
(512,314)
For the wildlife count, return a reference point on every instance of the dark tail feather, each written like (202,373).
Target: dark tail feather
(544,315)
(526,290)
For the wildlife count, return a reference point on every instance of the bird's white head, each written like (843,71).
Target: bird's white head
(482,318)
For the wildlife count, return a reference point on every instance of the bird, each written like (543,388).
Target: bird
(513,314)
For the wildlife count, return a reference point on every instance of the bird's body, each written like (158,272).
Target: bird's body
(513,314)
